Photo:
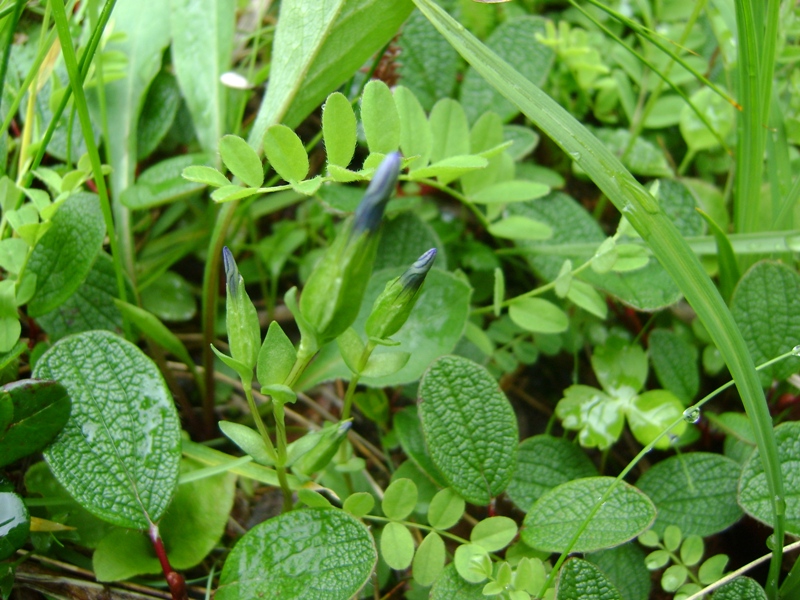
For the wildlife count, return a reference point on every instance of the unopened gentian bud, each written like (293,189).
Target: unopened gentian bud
(334,291)
(394,305)
(241,319)
(318,458)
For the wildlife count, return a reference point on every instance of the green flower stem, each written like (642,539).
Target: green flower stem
(642,453)
(455,194)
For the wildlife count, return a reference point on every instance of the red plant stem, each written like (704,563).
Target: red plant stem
(175,581)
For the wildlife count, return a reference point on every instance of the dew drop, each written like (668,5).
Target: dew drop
(796,350)
(691,414)
(771,542)
(575,155)
(780,505)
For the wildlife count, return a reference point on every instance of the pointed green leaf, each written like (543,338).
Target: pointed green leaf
(352,348)
(588,298)
(229,193)
(626,513)
(285,153)
(125,440)
(579,578)
(469,426)
(397,546)
(416,137)
(241,160)
(380,118)
(429,559)
(205,175)
(386,364)
(276,356)
(64,256)
(153,328)
(324,554)
(538,315)
(339,129)
(249,441)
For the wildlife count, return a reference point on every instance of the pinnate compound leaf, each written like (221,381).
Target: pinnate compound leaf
(766,306)
(754,496)
(397,546)
(451,585)
(241,160)
(543,462)
(469,426)
(285,153)
(624,566)
(37,412)
(64,256)
(581,579)
(429,559)
(695,492)
(339,129)
(450,168)
(741,588)
(124,441)
(538,315)
(323,554)
(555,517)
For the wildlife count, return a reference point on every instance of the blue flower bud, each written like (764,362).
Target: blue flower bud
(392,308)
(241,319)
(370,210)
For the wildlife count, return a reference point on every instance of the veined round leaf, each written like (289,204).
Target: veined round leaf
(695,491)
(472,562)
(15,523)
(429,559)
(538,315)
(754,496)
(625,568)
(446,509)
(741,588)
(39,409)
(397,546)
(322,554)
(651,413)
(517,227)
(380,118)
(63,257)
(555,518)
(469,426)
(241,160)
(675,363)
(581,579)
(359,504)
(285,153)
(339,129)
(123,436)
(543,462)
(494,533)
(451,585)
(517,190)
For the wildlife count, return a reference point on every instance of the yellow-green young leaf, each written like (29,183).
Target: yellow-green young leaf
(416,137)
(229,193)
(472,562)
(351,347)
(469,426)
(399,499)
(626,513)
(359,504)
(397,546)
(285,153)
(276,356)
(505,192)
(380,118)
(450,130)
(125,441)
(579,578)
(651,413)
(543,462)
(741,588)
(538,315)
(588,298)
(450,168)
(429,560)
(309,187)
(248,440)
(339,129)
(517,227)
(486,139)
(241,160)
(446,509)
(712,569)
(494,533)
(324,553)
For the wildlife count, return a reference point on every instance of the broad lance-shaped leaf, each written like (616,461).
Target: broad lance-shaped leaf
(322,554)
(469,426)
(118,453)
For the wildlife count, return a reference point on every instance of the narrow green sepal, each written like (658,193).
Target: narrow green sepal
(301,447)
(280,393)
(276,357)
(351,348)
(384,341)
(249,441)
(309,338)
(241,318)
(245,373)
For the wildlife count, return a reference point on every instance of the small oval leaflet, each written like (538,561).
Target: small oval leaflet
(324,554)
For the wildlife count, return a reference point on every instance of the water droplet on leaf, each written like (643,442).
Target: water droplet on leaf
(691,414)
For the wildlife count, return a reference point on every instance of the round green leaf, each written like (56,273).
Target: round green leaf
(63,257)
(451,585)
(323,554)
(359,504)
(692,550)
(446,509)
(651,413)
(339,129)
(695,491)
(469,426)
(674,577)
(380,118)
(538,315)
(397,546)
(205,175)
(754,497)
(543,462)
(555,518)
(285,153)
(429,559)
(581,579)
(472,562)
(494,533)
(517,227)
(712,569)
(241,160)
(37,412)
(399,499)
(15,523)
(123,436)
(741,588)
(516,190)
